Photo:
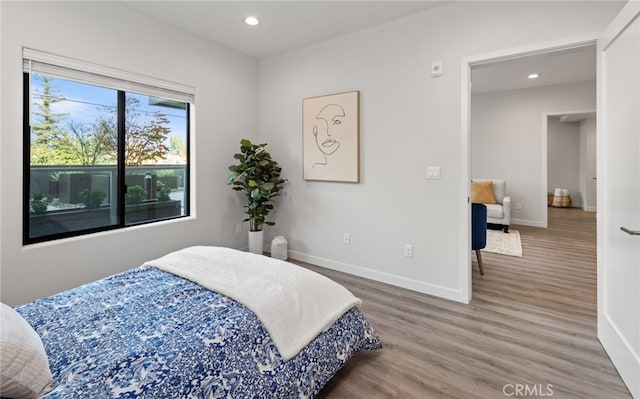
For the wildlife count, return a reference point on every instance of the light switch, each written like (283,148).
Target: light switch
(433,172)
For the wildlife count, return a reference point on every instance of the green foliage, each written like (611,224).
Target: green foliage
(135,195)
(95,143)
(163,194)
(258,176)
(145,134)
(46,133)
(39,203)
(83,144)
(55,176)
(177,146)
(92,198)
(165,172)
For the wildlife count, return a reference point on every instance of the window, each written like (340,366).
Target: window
(103,149)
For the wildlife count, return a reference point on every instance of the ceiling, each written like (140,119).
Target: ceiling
(285,25)
(566,66)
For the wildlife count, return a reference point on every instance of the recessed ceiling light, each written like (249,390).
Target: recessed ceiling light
(533,76)
(253,21)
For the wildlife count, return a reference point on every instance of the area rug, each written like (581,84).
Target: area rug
(502,243)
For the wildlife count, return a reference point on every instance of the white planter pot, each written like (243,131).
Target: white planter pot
(256,242)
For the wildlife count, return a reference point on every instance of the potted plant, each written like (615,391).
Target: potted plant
(134,195)
(92,199)
(258,176)
(39,203)
(163,193)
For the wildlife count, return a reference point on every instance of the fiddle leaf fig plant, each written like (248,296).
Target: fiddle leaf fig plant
(258,176)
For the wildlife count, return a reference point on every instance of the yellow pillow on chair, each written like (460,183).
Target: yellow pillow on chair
(482,192)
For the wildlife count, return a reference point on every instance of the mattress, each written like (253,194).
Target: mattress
(146,333)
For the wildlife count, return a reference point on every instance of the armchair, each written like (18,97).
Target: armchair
(500,212)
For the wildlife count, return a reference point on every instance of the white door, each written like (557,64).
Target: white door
(619,194)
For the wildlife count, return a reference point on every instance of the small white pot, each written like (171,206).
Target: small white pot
(256,242)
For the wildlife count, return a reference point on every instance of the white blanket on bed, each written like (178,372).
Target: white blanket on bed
(294,303)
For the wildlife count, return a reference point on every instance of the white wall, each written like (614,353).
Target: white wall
(507,140)
(563,158)
(408,121)
(588,165)
(113,35)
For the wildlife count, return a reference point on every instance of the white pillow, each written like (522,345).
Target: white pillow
(23,361)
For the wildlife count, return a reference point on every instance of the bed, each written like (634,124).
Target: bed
(170,329)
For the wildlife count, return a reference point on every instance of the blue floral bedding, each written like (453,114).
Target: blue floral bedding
(145,333)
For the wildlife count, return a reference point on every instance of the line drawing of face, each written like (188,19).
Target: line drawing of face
(329,118)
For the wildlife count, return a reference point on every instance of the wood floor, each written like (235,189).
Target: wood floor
(532,321)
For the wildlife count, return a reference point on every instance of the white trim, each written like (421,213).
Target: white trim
(545,169)
(464,246)
(529,222)
(100,75)
(193,164)
(466,64)
(532,49)
(627,15)
(601,197)
(106,233)
(403,282)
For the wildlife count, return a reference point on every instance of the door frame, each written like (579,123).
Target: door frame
(465,134)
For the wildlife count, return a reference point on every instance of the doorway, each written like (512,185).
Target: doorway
(571,161)
(534,210)
(617,251)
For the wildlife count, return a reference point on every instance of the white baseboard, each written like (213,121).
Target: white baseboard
(398,281)
(590,209)
(526,222)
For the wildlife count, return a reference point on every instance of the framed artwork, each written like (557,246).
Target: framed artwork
(330,137)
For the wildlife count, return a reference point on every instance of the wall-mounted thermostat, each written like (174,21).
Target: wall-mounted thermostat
(436,68)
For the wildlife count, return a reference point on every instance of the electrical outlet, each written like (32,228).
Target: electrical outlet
(238,228)
(408,251)
(347,239)
(519,206)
